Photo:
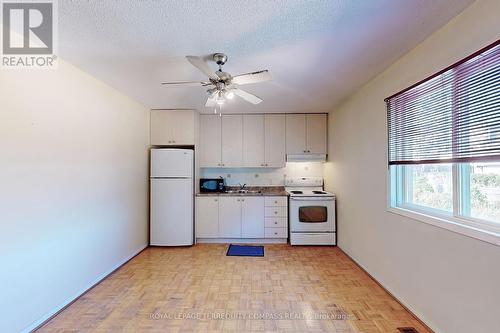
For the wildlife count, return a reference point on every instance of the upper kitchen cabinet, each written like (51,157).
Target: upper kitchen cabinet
(232,141)
(316,133)
(306,133)
(274,136)
(253,141)
(259,140)
(264,141)
(210,141)
(172,127)
(296,134)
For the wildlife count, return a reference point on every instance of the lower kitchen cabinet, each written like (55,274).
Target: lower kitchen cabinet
(248,217)
(230,217)
(276,233)
(276,211)
(252,217)
(207,217)
(276,222)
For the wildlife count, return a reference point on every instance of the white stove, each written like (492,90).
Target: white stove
(311,212)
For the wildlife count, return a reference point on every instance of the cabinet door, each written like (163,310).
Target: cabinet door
(172,127)
(207,217)
(210,141)
(232,141)
(296,134)
(252,217)
(161,129)
(253,141)
(229,217)
(274,128)
(316,133)
(182,127)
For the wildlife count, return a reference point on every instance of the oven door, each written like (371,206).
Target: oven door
(312,214)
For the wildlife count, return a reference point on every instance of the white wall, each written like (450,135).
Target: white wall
(264,176)
(73,188)
(451,281)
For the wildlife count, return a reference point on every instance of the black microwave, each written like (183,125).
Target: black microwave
(208,185)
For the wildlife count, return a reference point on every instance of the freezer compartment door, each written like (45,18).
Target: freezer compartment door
(171,212)
(172,163)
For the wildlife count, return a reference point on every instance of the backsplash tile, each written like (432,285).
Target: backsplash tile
(263,176)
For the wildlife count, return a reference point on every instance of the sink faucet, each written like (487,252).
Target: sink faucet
(242,187)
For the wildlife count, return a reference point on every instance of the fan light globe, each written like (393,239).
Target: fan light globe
(229,95)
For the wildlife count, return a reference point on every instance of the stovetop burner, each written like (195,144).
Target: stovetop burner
(319,192)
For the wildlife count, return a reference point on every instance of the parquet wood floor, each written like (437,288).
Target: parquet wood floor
(199,289)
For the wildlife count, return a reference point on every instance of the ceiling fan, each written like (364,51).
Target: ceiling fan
(222,85)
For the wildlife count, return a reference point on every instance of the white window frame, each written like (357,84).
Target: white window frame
(469,226)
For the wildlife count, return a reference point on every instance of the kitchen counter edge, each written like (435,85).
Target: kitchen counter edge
(263,194)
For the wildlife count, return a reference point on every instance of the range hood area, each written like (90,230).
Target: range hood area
(307,157)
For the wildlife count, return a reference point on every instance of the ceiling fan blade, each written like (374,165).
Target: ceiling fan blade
(202,65)
(186,83)
(247,96)
(254,77)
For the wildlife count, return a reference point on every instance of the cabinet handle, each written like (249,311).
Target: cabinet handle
(218,164)
(305,151)
(275,201)
(223,164)
(275,222)
(275,212)
(215,200)
(169,141)
(242,199)
(275,233)
(266,164)
(173,141)
(237,199)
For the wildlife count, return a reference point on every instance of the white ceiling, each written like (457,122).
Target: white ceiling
(318,52)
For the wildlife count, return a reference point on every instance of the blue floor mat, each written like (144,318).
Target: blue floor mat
(245,251)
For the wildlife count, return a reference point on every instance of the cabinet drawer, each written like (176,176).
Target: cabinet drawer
(276,201)
(276,222)
(276,212)
(276,232)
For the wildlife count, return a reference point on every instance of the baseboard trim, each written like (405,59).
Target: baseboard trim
(45,319)
(387,291)
(241,240)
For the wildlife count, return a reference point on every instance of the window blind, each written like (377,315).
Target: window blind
(452,116)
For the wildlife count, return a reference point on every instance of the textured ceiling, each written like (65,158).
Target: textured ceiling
(318,52)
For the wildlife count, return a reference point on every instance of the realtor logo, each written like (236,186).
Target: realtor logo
(28,34)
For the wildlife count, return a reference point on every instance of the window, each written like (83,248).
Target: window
(444,144)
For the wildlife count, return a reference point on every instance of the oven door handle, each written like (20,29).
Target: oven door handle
(312,199)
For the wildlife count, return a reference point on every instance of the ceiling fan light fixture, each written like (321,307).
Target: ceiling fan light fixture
(222,86)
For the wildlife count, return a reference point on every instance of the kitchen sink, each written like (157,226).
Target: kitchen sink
(242,192)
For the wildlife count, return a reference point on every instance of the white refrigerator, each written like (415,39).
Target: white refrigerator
(171,197)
